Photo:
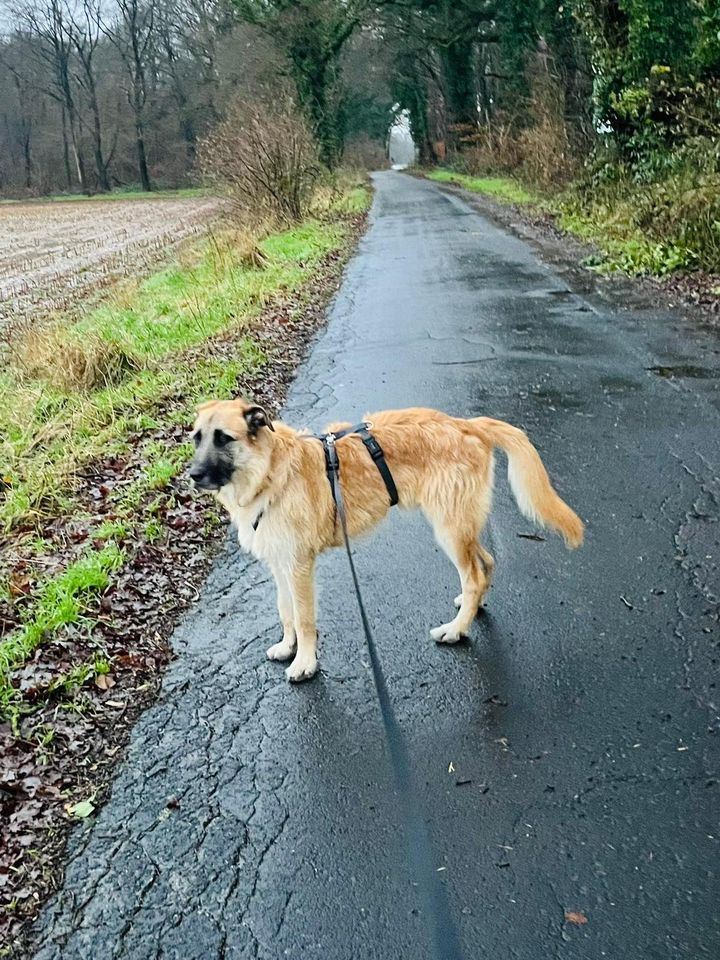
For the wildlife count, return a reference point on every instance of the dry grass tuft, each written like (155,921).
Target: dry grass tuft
(59,356)
(248,250)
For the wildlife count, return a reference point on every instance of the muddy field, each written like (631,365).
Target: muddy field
(52,254)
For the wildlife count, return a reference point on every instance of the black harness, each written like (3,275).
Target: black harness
(332,463)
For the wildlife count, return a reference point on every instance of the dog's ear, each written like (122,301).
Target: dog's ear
(256,417)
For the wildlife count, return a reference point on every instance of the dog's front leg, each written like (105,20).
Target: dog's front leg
(286,647)
(302,584)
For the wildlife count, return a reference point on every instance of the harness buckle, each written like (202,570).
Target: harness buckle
(373,447)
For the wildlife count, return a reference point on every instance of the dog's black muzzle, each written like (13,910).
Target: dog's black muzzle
(202,479)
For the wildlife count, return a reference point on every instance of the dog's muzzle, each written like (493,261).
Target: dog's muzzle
(201,480)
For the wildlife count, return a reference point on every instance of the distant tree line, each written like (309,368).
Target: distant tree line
(99,93)
(96,94)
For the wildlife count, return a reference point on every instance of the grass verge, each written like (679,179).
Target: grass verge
(96,385)
(125,194)
(501,188)
(651,229)
(84,386)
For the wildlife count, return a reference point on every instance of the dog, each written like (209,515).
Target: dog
(273,482)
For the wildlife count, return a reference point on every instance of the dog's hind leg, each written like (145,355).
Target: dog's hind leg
(463,549)
(488,563)
(302,577)
(286,647)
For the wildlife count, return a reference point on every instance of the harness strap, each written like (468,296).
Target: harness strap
(376,452)
(444,935)
(332,464)
(373,448)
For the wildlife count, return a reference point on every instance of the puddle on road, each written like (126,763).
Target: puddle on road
(683,371)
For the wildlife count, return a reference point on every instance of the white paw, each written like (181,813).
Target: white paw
(458,600)
(447,633)
(303,667)
(283,650)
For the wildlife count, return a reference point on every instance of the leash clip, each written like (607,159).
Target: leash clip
(332,464)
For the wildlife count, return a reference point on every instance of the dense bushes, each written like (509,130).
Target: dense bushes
(266,157)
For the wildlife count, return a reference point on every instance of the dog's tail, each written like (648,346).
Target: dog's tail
(529,481)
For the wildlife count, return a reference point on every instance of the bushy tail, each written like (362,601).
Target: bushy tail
(529,481)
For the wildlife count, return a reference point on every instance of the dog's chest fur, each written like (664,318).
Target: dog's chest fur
(272,539)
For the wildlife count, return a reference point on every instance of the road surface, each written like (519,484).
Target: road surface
(580,720)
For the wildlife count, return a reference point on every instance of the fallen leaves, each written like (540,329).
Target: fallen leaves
(82,809)
(574,916)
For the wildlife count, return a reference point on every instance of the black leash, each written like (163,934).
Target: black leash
(445,941)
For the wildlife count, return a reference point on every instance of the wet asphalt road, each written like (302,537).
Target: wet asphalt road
(582,715)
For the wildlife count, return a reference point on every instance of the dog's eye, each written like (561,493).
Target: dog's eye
(197,437)
(222,439)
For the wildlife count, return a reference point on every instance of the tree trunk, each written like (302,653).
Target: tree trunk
(459,75)
(316,95)
(314,74)
(27,159)
(25,131)
(101,165)
(142,159)
(66,149)
(187,128)
(75,144)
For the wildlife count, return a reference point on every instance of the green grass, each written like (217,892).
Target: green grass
(187,303)
(501,188)
(116,530)
(638,229)
(623,246)
(166,315)
(58,602)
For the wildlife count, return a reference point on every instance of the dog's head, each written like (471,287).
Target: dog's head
(229,443)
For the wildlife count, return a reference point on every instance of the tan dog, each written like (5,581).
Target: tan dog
(273,482)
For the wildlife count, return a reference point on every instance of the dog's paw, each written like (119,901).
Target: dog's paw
(303,667)
(447,633)
(458,600)
(283,650)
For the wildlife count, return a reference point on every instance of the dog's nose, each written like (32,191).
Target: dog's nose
(196,474)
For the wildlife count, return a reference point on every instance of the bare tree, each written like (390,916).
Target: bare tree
(85,35)
(132,33)
(49,24)
(267,157)
(120,91)
(19,128)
